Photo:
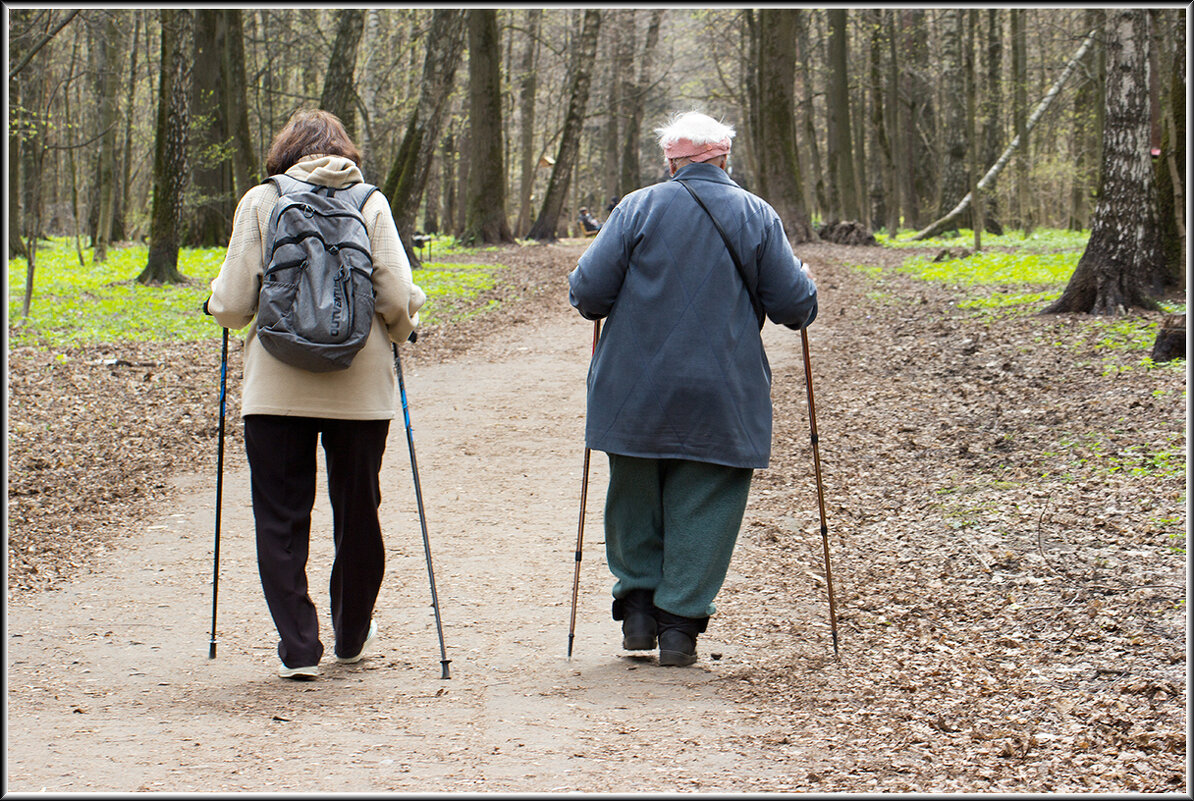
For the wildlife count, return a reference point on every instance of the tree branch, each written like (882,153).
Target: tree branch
(44,40)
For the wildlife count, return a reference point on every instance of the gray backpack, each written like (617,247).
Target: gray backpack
(316,305)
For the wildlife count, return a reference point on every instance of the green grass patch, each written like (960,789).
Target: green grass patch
(996,268)
(1045,240)
(453,280)
(102,303)
(1006,300)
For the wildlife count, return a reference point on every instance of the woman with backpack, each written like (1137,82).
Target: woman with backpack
(288,408)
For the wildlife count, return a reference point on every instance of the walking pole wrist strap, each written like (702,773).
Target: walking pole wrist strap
(754,299)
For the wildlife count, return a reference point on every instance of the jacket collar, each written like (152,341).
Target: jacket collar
(703,172)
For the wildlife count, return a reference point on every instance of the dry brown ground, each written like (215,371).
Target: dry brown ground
(1011,609)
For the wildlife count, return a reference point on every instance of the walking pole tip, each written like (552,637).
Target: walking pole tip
(444,663)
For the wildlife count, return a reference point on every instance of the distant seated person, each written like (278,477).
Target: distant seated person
(589,222)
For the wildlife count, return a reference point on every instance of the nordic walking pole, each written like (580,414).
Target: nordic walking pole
(812,419)
(414,466)
(215,578)
(580,527)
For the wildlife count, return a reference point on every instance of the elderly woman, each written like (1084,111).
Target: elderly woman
(679,387)
(287,410)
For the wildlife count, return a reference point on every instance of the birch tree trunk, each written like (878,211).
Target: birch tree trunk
(953,112)
(1123,259)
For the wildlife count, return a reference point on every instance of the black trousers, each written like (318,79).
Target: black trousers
(281,452)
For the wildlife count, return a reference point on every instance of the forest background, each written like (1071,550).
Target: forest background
(489,124)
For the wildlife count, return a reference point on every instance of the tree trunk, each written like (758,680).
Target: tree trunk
(448,158)
(621,67)
(953,112)
(808,113)
(170,148)
(918,123)
(779,170)
(245,165)
(212,179)
(1019,118)
(843,201)
(1123,259)
(972,127)
(486,217)
(407,179)
(882,180)
(544,229)
(340,86)
(106,190)
(1170,167)
(632,177)
(124,196)
(992,103)
(526,119)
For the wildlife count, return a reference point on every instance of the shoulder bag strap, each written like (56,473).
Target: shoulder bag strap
(754,300)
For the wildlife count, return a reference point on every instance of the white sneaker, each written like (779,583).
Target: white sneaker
(350,660)
(299,673)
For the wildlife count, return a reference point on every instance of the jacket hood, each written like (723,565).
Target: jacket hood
(333,171)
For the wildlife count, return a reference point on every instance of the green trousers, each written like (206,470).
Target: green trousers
(670,526)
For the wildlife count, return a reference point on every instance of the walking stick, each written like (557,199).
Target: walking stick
(215,579)
(414,466)
(580,527)
(812,419)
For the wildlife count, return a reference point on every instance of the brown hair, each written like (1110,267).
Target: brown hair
(309,132)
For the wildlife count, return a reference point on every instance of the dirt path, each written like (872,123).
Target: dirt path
(111,688)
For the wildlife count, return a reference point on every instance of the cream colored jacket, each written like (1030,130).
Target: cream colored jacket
(364,391)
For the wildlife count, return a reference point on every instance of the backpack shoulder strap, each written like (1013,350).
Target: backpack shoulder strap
(754,299)
(287,185)
(360,193)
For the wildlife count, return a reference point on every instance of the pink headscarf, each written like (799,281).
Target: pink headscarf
(684,148)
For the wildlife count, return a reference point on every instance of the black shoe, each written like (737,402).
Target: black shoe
(637,613)
(677,639)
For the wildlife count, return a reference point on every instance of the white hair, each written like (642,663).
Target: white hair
(698,128)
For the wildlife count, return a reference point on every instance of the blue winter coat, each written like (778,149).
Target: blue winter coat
(680,370)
